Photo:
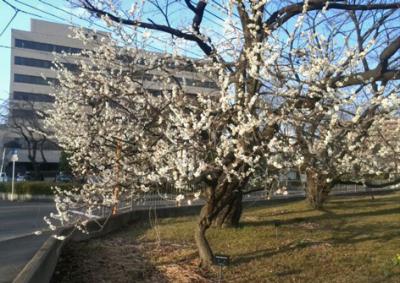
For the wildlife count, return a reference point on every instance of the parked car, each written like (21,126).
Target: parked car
(30,176)
(63,178)
(3,177)
(20,178)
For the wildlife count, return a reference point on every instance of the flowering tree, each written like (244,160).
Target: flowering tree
(344,97)
(104,117)
(257,117)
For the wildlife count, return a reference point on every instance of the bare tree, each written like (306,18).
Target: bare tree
(27,122)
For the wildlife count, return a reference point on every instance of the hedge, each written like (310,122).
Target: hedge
(36,187)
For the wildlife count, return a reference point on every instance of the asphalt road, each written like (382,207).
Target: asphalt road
(21,218)
(18,220)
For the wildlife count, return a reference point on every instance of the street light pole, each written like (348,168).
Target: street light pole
(2,160)
(14,158)
(12,182)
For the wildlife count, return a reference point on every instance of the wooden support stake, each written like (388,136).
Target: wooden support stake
(118,171)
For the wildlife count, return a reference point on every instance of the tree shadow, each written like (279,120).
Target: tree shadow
(341,235)
(353,235)
(247,257)
(289,272)
(366,232)
(342,204)
(283,212)
(327,215)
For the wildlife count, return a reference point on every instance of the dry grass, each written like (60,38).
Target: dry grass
(353,240)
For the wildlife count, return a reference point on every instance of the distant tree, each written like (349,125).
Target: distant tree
(64,165)
(344,98)
(26,121)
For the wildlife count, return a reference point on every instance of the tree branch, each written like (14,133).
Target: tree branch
(152,26)
(283,15)
(379,73)
(199,12)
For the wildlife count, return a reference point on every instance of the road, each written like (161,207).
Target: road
(21,218)
(18,220)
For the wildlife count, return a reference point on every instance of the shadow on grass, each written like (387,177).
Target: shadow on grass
(268,214)
(289,272)
(366,232)
(342,232)
(327,215)
(343,204)
(247,257)
(347,236)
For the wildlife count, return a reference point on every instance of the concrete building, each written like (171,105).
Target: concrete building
(30,85)
(30,76)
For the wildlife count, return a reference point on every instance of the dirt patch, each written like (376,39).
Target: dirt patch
(119,261)
(177,262)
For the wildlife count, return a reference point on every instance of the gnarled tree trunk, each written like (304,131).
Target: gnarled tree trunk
(230,215)
(222,205)
(317,188)
(204,248)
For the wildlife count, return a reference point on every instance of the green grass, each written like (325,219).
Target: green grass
(353,240)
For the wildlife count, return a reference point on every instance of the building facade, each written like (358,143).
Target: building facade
(31,77)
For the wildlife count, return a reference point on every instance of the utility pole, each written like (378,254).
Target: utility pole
(14,158)
(2,160)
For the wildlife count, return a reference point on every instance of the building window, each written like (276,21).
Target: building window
(29,96)
(19,78)
(197,83)
(24,114)
(21,43)
(31,62)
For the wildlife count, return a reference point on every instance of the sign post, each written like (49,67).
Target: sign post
(221,261)
(14,158)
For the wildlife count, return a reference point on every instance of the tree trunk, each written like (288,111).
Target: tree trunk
(32,153)
(223,206)
(36,171)
(230,215)
(317,188)
(205,252)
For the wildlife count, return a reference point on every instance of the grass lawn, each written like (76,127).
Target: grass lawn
(354,240)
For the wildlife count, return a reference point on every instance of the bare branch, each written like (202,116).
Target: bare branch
(283,15)
(152,26)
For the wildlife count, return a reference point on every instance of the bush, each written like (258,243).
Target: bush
(35,187)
